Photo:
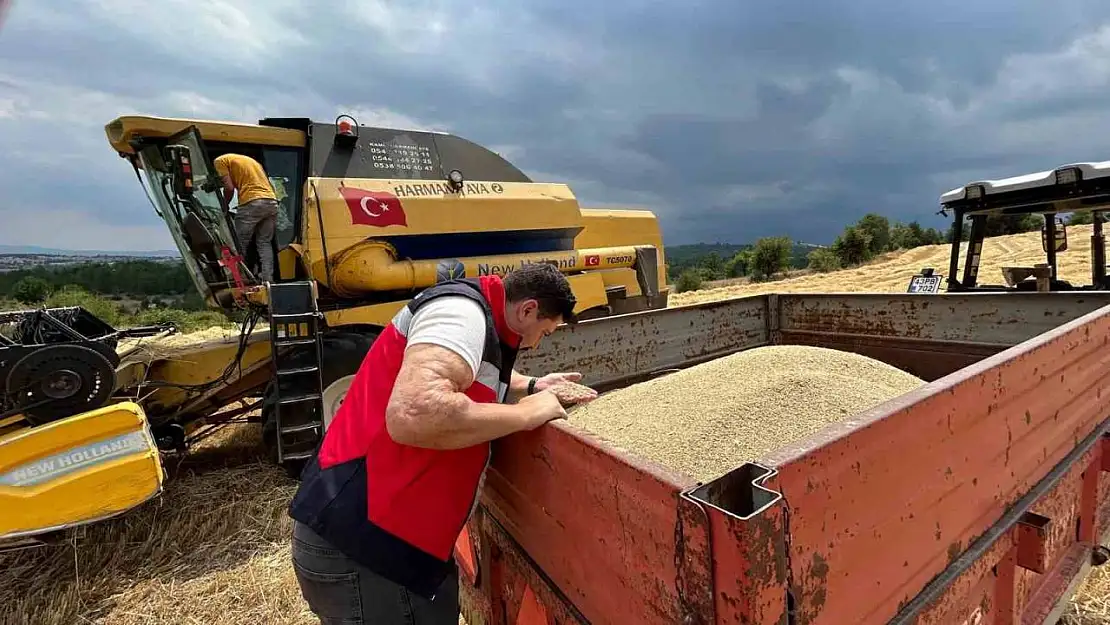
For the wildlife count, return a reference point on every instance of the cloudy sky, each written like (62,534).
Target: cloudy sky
(732,120)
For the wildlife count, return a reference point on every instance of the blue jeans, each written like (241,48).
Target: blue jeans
(342,592)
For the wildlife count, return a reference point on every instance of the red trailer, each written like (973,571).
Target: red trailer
(980,498)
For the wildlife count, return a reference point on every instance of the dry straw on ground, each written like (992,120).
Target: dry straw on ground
(709,419)
(892,272)
(213,549)
(170,345)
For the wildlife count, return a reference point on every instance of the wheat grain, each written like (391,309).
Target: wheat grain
(708,419)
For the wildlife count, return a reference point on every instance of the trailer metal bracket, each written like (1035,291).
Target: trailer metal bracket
(1105,465)
(693,553)
(742,511)
(1032,533)
(739,493)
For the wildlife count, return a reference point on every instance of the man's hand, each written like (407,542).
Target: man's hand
(542,408)
(572,393)
(554,379)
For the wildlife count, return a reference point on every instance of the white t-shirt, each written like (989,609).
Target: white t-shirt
(455,322)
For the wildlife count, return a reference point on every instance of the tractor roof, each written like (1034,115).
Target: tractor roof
(1068,188)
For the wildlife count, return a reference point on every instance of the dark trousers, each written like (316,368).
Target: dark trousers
(341,591)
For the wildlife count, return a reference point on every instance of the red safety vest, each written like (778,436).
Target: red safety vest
(393,508)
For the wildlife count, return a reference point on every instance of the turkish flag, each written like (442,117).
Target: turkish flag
(593,260)
(374,208)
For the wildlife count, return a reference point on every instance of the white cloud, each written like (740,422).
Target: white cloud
(580,94)
(368,115)
(209,31)
(78,229)
(1081,66)
(31,110)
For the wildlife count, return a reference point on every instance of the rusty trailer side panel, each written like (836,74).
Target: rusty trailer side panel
(601,528)
(975,499)
(882,504)
(929,337)
(617,351)
(989,318)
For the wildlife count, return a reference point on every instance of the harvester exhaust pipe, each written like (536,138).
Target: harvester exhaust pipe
(374,266)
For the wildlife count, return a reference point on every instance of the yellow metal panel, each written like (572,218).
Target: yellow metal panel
(122,129)
(77,470)
(374,314)
(287,262)
(589,290)
(200,363)
(622,277)
(373,266)
(481,207)
(611,227)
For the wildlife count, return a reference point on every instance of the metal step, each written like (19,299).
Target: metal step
(296,399)
(298,370)
(298,341)
(295,319)
(293,429)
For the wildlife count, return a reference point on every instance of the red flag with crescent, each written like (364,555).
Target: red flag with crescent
(374,208)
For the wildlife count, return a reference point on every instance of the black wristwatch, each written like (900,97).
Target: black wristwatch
(531,386)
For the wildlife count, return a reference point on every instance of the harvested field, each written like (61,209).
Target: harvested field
(891,272)
(215,547)
(709,419)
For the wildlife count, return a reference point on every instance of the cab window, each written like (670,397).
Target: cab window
(283,168)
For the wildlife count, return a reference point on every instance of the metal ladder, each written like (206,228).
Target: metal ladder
(295,322)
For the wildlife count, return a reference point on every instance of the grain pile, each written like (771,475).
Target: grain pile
(709,419)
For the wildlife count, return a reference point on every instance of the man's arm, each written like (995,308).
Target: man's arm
(229,189)
(428,408)
(518,385)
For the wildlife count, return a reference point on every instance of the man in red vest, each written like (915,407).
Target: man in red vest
(401,465)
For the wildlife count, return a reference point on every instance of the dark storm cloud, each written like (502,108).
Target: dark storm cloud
(730,120)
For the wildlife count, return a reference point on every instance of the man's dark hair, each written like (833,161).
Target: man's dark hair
(547,285)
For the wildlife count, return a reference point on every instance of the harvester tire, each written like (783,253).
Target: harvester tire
(342,355)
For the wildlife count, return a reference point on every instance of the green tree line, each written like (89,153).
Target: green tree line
(135,278)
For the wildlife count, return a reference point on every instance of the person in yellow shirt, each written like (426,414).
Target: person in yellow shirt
(256,215)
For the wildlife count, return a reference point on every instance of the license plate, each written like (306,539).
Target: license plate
(924,284)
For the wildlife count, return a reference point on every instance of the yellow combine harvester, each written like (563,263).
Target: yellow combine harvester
(370,216)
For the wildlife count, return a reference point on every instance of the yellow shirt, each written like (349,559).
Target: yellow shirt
(247,176)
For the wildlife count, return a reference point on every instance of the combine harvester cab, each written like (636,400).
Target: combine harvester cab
(68,454)
(978,498)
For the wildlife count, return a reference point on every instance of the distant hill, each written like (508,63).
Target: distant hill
(34,249)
